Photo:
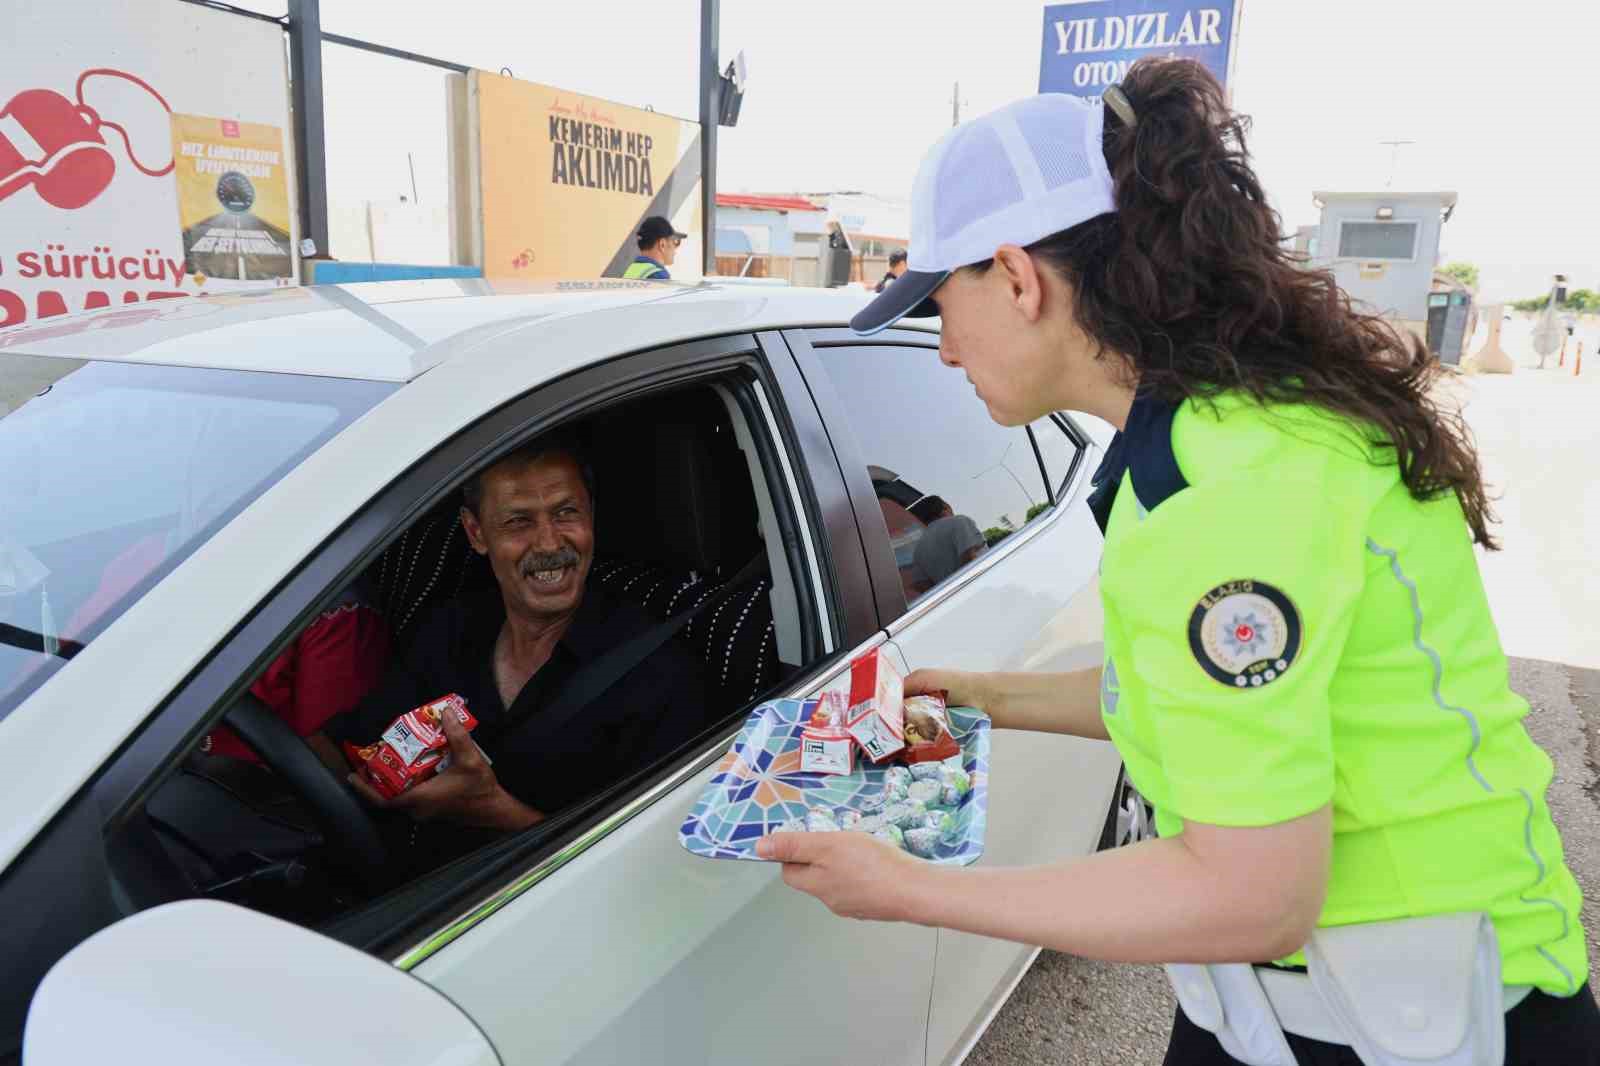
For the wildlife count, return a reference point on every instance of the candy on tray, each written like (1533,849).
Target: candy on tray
(921,841)
(892,834)
(924,791)
(825,747)
(926,730)
(876,718)
(849,819)
(821,820)
(905,814)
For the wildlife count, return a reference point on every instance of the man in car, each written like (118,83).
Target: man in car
(512,652)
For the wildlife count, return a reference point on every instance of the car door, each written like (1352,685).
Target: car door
(604,941)
(1029,601)
(623,947)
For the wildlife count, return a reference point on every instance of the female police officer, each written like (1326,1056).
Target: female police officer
(1302,675)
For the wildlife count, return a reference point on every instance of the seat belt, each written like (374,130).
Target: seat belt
(600,673)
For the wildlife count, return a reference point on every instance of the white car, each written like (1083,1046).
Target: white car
(184,486)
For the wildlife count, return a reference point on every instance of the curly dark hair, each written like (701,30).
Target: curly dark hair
(1190,281)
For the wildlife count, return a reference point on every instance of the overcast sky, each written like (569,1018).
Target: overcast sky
(846,94)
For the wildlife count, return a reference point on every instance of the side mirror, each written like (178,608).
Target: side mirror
(202,982)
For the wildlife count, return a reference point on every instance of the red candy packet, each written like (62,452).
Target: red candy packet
(413,748)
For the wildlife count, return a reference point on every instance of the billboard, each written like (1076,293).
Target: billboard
(89,197)
(557,183)
(1089,44)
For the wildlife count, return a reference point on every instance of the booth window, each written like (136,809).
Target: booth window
(1378,240)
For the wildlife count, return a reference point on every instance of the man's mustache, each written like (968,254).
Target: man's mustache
(534,562)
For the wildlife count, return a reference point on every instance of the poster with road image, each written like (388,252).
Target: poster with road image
(233,200)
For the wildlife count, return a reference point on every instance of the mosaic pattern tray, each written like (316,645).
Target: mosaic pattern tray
(759,785)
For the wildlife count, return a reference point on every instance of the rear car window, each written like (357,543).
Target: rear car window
(950,482)
(113,473)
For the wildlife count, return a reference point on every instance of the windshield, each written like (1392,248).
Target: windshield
(111,474)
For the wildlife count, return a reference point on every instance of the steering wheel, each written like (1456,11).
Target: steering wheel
(357,849)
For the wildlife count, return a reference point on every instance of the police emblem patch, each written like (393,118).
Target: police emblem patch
(1245,634)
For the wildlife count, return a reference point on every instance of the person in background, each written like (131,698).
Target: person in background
(950,542)
(658,248)
(897,266)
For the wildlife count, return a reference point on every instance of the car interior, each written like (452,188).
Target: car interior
(684,520)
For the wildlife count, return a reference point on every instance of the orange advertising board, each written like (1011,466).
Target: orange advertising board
(564,181)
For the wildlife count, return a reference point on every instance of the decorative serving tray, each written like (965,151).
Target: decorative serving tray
(759,788)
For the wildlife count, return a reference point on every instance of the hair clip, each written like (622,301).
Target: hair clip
(1117,100)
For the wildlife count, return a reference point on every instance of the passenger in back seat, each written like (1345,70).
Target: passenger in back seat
(510,654)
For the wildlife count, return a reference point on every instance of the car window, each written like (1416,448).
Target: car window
(1057,450)
(950,482)
(114,473)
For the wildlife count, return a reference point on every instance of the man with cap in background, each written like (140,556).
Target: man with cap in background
(658,247)
(897,266)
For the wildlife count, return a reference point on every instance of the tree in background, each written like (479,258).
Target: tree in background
(1466,273)
(1579,301)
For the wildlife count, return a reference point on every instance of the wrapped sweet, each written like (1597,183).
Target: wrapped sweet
(921,841)
(950,828)
(891,834)
(821,820)
(924,771)
(898,776)
(924,792)
(906,814)
(848,818)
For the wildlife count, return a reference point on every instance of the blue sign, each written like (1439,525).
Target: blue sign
(1090,44)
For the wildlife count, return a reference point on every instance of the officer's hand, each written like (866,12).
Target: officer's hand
(853,874)
(958,687)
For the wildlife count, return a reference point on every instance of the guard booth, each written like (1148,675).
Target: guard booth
(1382,248)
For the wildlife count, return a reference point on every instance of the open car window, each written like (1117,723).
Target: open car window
(695,509)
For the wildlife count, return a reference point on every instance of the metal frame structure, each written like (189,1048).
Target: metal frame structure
(303,24)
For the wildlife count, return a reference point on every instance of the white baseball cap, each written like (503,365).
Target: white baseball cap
(1013,176)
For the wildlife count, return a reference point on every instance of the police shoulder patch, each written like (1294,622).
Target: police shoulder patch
(1245,634)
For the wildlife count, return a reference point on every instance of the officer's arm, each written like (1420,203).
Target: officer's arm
(1043,703)
(1211,894)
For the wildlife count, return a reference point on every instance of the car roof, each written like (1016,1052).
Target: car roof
(398,330)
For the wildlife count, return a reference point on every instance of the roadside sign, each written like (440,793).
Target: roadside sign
(1089,44)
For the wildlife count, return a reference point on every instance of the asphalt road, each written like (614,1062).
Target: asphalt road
(1540,444)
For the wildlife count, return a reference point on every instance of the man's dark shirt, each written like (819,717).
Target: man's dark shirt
(660,704)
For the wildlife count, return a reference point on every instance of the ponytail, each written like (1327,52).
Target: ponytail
(1188,281)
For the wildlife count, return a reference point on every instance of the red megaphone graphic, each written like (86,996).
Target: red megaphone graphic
(54,144)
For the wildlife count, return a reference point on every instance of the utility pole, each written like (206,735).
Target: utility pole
(1394,157)
(710,111)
